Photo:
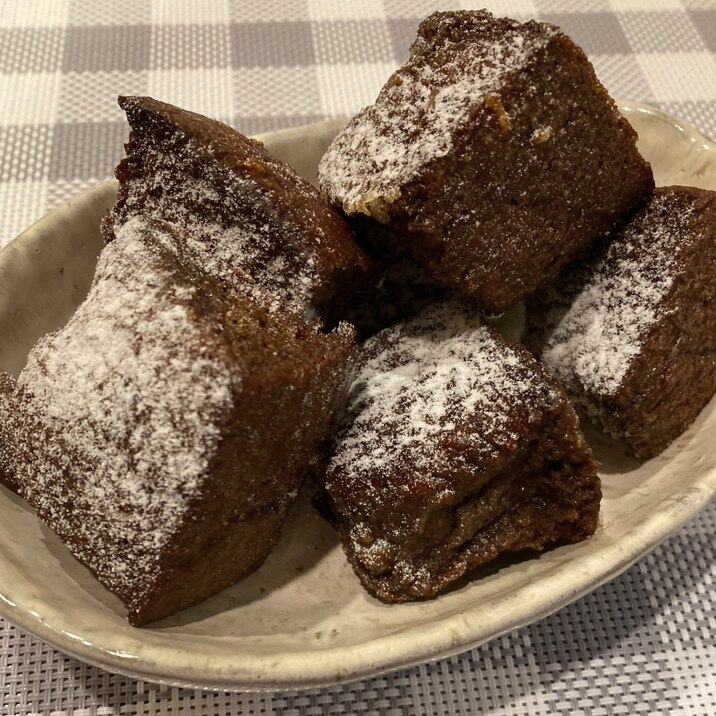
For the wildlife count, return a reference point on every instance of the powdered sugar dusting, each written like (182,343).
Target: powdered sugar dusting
(457,62)
(127,396)
(617,298)
(439,374)
(250,250)
(437,402)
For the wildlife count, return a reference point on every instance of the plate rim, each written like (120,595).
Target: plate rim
(412,645)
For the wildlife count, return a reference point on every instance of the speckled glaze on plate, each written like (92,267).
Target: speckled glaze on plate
(303,619)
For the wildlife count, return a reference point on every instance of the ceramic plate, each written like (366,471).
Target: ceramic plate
(303,619)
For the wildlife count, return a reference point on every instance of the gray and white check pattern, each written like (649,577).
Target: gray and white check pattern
(644,643)
(272,64)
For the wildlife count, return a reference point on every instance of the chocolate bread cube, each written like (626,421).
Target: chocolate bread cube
(248,217)
(494,153)
(165,430)
(456,446)
(631,332)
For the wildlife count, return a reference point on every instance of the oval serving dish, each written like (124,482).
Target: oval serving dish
(303,619)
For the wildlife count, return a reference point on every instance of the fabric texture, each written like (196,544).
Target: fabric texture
(645,642)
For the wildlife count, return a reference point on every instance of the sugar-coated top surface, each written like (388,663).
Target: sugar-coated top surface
(458,60)
(117,412)
(617,297)
(429,392)
(254,253)
(243,253)
(249,218)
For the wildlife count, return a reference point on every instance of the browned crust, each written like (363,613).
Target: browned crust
(544,167)
(290,374)
(541,491)
(534,206)
(674,375)
(266,190)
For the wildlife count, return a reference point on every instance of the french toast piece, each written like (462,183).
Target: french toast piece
(631,331)
(494,154)
(248,217)
(455,447)
(164,432)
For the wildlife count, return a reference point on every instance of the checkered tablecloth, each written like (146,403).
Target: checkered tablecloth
(644,643)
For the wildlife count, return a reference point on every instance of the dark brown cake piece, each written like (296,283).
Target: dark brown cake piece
(495,154)
(249,218)
(631,332)
(455,447)
(165,430)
